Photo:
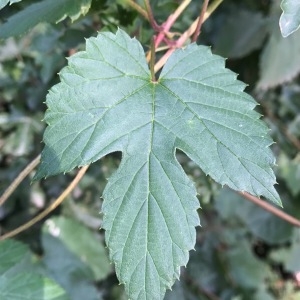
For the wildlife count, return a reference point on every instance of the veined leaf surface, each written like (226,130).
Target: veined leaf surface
(107,102)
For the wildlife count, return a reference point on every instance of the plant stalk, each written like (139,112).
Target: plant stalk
(49,209)
(19,179)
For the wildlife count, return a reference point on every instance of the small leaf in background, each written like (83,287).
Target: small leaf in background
(204,265)
(5,2)
(261,223)
(293,261)
(244,268)
(289,20)
(197,106)
(226,249)
(290,172)
(16,280)
(181,292)
(289,256)
(280,58)
(82,242)
(243,39)
(74,257)
(43,11)
(263,294)
(12,253)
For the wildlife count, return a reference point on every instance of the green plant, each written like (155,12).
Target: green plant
(108,100)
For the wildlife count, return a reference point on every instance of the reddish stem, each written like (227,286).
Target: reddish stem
(272,209)
(165,27)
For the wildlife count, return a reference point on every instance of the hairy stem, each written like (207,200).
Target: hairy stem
(200,20)
(272,209)
(19,179)
(55,204)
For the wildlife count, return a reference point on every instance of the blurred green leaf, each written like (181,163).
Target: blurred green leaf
(289,255)
(243,267)
(16,283)
(243,38)
(182,292)
(289,20)
(68,270)
(44,11)
(204,264)
(82,243)
(292,263)
(12,253)
(280,59)
(263,294)
(290,172)
(260,222)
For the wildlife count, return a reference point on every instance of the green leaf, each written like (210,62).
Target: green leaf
(289,257)
(90,250)
(5,2)
(289,20)
(67,258)
(107,102)
(19,284)
(260,222)
(290,172)
(11,253)
(243,39)
(244,268)
(280,59)
(43,11)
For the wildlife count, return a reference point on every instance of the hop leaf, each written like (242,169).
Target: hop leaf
(107,102)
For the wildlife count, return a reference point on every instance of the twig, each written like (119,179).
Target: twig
(170,21)
(272,209)
(19,179)
(55,204)
(184,37)
(150,16)
(200,21)
(139,9)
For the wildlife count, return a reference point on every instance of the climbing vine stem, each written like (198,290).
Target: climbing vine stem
(54,205)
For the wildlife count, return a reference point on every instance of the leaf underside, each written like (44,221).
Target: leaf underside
(43,11)
(289,20)
(107,102)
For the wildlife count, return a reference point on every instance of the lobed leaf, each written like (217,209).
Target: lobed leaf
(289,20)
(107,102)
(43,11)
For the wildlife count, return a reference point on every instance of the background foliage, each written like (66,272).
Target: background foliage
(242,251)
